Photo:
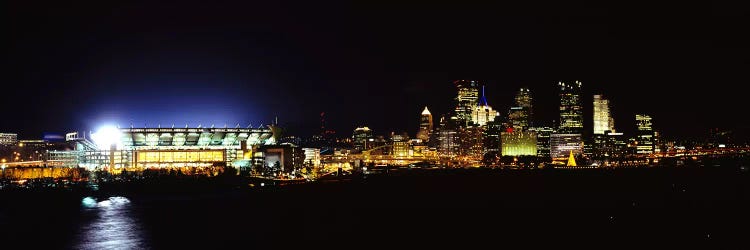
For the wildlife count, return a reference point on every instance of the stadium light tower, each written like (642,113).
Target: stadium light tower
(108,137)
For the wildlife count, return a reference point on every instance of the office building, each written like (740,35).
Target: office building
(562,144)
(362,138)
(425,125)
(8,139)
(483,113)
(518,143)
(520,115)
(602,117)
(312,156)
(400,144)
(466,100)
(571,111)
(447,138)
(542,141)
(645,134)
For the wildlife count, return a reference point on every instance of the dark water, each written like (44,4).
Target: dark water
(110,224)
(645,209)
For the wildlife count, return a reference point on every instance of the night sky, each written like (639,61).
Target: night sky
(78,66)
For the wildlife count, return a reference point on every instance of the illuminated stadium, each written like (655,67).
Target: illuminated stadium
(141,148)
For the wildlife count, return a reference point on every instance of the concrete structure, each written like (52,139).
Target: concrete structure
(141,148)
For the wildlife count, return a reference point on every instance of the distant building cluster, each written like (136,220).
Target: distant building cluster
(473,133)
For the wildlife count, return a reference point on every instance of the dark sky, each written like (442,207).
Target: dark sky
(78,66)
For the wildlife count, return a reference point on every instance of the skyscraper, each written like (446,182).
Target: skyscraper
(602,117)
(466,100)
(425,125)
(571,111)
(447,137)
(483,113)
(645,134)
(362,138)
(520,115)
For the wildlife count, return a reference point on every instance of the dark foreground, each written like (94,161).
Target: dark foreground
(707,208)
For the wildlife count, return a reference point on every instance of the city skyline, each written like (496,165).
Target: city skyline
(200,124)
(249,69)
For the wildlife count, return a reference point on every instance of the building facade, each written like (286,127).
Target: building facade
(425,125)
(602,117)
(362,138)
(447,137)
(543,135)
(466,100)
(483,112)
(518,143)
(520,115)
(571,111)
(312,156)
(143,148)
(562,144)
(645,134)
(8,139)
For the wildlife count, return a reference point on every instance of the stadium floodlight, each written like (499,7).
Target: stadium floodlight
(107,136)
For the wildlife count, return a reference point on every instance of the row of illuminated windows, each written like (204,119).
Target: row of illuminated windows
(174,156)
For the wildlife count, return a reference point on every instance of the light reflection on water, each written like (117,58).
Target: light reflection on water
(113,226)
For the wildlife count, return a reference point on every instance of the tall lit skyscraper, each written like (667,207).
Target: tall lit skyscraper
(466,100)
(362,138)
(571,111)
(602,117)
(520,115)
(645,134)
(471,142)
(447,137)
(425,125)
(483,113)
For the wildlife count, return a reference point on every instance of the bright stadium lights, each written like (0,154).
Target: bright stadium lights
(106,136)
